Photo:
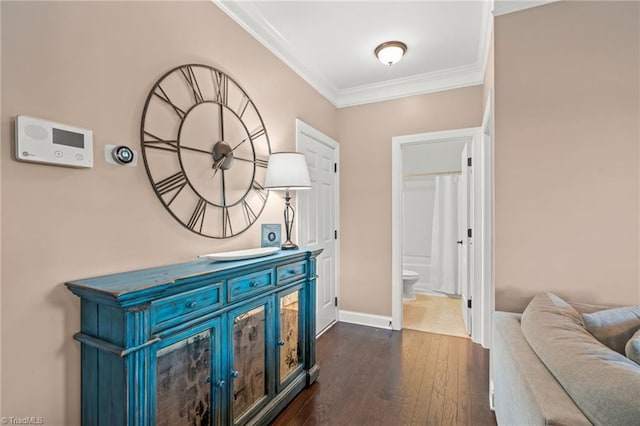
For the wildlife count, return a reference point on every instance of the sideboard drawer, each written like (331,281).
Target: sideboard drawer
(292,271)
(173,307)
(250,284)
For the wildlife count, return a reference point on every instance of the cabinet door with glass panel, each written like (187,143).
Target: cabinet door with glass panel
(290,331)
(187,363)
(252,355)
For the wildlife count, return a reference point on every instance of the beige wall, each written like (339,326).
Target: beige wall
(567,164)
(365,134)
(566,153)
(92,65)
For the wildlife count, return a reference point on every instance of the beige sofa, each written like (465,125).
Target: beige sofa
(556,373)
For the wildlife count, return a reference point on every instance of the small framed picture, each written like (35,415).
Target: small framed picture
(271,235)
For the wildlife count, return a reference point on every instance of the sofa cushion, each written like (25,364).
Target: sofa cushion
(525,391)
(613,327)
(632,348)
(603,383)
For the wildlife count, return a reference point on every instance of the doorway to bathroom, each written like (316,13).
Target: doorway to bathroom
(433,257)
(439,194)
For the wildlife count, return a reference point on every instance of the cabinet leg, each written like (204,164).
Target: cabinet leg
(313,374)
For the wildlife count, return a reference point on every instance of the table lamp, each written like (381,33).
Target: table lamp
(287,171)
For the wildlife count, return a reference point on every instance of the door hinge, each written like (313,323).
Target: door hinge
(469,161)
(335,301)
(335,234)
(470,233)
(335,167)
(469,303)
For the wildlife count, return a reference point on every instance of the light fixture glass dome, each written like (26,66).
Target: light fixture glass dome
(390,52)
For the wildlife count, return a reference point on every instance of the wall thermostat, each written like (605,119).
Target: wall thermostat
(42,141)
(122,154)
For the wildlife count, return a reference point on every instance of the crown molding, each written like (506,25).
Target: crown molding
(452,78)
(503,7)
(446,79)
(249,17)
(251,20)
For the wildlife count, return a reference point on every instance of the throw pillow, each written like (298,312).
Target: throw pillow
(613,327)
(632,349)
(603,383)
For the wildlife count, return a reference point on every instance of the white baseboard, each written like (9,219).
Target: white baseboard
(324,330)
(370,320)
(423,289)
(492,393)
(428,291)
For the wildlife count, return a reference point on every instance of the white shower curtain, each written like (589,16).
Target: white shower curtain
(444,247)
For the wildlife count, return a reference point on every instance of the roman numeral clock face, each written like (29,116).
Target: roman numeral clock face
(205,149)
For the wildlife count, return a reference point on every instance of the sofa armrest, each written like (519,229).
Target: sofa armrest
(525,392)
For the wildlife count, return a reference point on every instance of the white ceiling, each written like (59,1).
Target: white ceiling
(330,43)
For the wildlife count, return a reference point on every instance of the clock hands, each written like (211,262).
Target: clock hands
(216,161)
(221,123)
(215,170)
(218,164)
(236,147)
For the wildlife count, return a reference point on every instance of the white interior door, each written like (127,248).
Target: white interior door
(464,242)
(318,217)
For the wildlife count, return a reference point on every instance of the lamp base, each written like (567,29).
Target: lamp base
(288,245)
(289,214)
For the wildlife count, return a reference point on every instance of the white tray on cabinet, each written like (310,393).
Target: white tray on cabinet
(241,254)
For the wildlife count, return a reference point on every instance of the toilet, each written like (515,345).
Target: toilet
(409,279)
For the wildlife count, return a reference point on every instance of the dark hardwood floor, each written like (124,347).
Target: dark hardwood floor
(372,376)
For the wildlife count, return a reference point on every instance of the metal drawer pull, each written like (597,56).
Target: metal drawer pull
(192,305)
(280,342)
(254,284)
(234,373)
(220,383)
(291,271)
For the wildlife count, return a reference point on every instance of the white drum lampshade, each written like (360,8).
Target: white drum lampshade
(287,171)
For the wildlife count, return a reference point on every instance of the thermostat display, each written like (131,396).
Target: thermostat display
(62,137)
(43,141)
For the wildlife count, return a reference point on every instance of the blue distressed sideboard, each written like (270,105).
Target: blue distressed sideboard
(198,343)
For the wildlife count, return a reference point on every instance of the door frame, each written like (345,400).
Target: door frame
(483,202)
(306,129)
(465,267)
(488,221)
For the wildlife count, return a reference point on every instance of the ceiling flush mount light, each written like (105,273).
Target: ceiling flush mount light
(390,52)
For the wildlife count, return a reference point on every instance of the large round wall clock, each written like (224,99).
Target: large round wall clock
(205,149)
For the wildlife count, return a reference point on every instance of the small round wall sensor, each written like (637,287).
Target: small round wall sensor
(122,154)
